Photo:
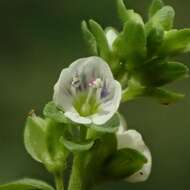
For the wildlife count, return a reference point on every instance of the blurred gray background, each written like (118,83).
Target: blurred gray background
(38,39)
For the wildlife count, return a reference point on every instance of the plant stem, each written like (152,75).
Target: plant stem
(87,165)
(77,175)
(59,181)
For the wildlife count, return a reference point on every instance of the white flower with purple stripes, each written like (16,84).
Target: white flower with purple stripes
(87,92)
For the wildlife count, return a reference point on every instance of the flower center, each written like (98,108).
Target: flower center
(87,101)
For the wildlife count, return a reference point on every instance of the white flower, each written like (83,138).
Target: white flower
(111,35)
(133,139)
(87,91)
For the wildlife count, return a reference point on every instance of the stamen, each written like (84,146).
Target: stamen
(76,82)
(97,83)
(96,86)
(90,94)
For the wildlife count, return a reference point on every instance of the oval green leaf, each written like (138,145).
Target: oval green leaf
(34,137)
(175,42)
(101,39)
(89,39)
(124,163)
(155,6)
(26,184)
(130,45)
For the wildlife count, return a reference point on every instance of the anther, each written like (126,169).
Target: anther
(75,82)
(97,83)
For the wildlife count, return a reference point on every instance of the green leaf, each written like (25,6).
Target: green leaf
(110,126)
(89,39)
(34,138)
(125,14)
(164,97)
(122,11)
(155,6)
(75,146)
(131,43)
(52,112)
(154,40)
(124,163)
(101,39)
(164,17)
(136,90)
(57,152)
(158,73)
(175,42)
(26,184)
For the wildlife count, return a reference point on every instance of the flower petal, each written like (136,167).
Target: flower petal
(109,108)
(133,139)
(75,117)
(123,125)
(62,96)
(91,68)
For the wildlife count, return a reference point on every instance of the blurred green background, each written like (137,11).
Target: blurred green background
(38,39)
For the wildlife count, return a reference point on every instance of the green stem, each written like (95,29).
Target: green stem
(59,181)
(77,181)
(87,166)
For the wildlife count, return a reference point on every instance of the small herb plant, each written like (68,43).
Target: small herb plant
(82,122)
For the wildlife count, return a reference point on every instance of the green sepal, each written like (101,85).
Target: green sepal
(77,146)
(57,152)
(155,6)
(158,73)
(110,126)
(130,45)
(163,17)
(89,39)
(99,34)
(175,42)
(54,113)
(26,184)
(34,138)
(124,163)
